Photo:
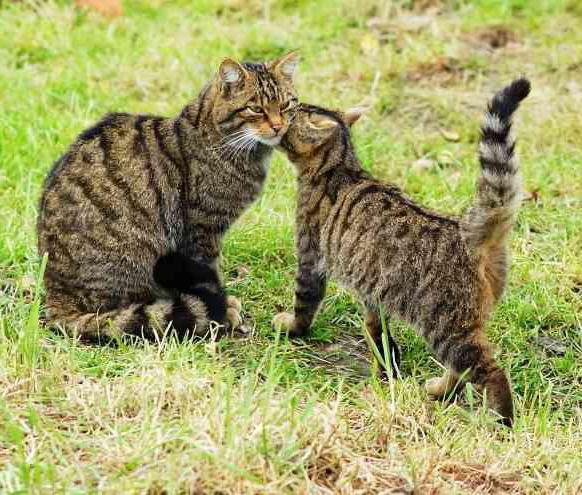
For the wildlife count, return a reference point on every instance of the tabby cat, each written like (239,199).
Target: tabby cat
(440,274)
(133,214)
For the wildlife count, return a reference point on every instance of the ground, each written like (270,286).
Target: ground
(261,414)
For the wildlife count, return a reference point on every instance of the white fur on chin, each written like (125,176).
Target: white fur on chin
(274,141)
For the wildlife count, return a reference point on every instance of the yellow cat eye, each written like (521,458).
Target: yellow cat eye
(255,109)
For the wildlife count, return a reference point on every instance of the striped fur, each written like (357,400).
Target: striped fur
(135,192)
(432,271)
(499,186)
(184,315)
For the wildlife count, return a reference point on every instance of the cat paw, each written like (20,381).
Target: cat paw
(233,317)
(233,302)
(441,386)
(434,387)
(283,322)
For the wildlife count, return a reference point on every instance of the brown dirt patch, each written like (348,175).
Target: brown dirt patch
(493,37)
(479,479)
(107,8)
(443,70)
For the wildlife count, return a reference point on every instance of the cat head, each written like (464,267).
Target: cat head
(316,131)
(255,102)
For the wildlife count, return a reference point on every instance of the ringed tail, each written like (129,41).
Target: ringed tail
(488,223)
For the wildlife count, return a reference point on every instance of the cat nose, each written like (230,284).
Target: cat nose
(277,126)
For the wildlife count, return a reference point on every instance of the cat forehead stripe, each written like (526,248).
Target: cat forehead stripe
(265,83)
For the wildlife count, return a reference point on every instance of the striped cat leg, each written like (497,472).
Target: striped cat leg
(221,308)
(180,272)
(309,293)
(374,328)
(474,354)
(233,304)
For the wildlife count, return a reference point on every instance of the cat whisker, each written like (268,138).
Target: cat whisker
(245,148)
(241,145)
(234,142)
(228,140)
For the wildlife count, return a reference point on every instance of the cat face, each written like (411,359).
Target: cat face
(255,102)
(314,129)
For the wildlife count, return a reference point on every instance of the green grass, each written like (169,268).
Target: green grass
(261,414)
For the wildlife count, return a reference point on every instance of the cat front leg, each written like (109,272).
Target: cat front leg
(233,304)
(205,246)
(309,292)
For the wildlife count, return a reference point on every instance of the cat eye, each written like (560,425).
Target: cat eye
(289,104)
(255,109)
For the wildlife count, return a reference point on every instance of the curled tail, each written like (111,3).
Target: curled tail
(185,314)
(488,222)
(196,298)
(175,271)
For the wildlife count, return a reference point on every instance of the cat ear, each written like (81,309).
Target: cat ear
(322,122)
(286,65)
(231,72)
(352,115)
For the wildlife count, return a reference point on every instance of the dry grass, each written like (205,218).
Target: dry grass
(258,414)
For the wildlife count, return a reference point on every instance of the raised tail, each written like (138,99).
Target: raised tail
(488,222)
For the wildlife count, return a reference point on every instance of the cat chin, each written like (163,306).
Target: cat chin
(274,141)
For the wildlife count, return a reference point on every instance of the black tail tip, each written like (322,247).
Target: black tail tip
(518,89)
(170,271)
(506,101)
(177,271)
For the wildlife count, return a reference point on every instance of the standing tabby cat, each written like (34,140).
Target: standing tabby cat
(133,214)
(439,274)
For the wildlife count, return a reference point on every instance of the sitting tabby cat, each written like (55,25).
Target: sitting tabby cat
(133,214)
(440,274)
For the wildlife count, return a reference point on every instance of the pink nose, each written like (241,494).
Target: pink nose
(277,127)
